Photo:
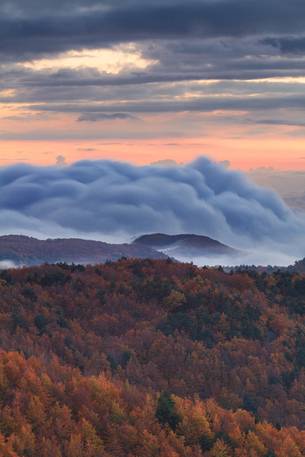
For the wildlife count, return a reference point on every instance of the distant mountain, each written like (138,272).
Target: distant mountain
(185,245)
(23,250)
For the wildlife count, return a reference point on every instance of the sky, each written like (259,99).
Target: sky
(147,80)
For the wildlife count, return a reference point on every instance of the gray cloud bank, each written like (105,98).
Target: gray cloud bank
(115,200)
(30,30)
(235,42)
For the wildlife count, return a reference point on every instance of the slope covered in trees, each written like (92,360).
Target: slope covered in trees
(24,250)
(151,358)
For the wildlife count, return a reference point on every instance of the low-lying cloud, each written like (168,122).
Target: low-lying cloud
(117,201)
(6,264)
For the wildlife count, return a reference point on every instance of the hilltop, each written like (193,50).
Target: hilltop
(185,245)
(24,250)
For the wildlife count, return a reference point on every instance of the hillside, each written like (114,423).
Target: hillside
(151,358)
(23,250)
(185,245)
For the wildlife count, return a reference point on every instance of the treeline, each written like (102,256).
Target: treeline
(151,358)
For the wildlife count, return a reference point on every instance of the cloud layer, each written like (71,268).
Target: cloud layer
(236,45)
(105,199)
(81,24)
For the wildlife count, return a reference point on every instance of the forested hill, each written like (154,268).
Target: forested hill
(25,250)
(143,358)
(186,245)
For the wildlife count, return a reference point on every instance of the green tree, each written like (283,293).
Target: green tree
(166,411)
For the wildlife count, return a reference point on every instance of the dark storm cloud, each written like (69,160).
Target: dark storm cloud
(287,45)
(226,40)
(203,104)
(279,122)
(94,117)
(52,29)
(107,198)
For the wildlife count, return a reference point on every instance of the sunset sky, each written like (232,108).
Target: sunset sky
(144,81)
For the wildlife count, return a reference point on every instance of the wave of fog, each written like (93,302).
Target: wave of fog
(6,264)
(117,201)
(262,256)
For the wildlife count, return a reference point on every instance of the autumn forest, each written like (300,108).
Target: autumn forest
(148,358)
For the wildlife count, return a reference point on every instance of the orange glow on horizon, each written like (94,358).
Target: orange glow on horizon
(243,154)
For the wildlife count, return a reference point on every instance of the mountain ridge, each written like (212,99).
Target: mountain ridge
(185,244)
(25,250)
